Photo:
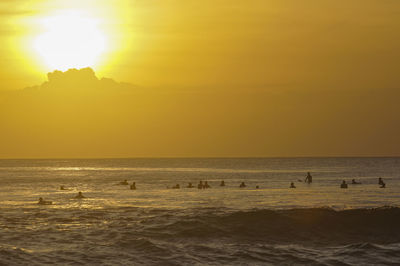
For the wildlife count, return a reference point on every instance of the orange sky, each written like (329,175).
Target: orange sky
(208,78)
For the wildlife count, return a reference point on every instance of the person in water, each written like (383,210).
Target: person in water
(133,186)
(354,182)
(308,179)
(79,196)
(343,185)
(177,186)
(206,185)
(44,202)
(222,183)
(190,185)
(381,183)
(292,185)
(200,185)
(257,187)
(62,188)
(242,185)
(125,182)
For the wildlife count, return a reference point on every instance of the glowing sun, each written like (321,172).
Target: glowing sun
(70,39)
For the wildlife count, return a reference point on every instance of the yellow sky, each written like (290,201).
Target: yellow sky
(211,78)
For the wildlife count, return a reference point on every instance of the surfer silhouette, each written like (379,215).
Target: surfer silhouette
(343,185)
(133,186)
(292,185)
(381,183)
(44,202)
(308,179)
(222,183)
(242,185)
(79,196)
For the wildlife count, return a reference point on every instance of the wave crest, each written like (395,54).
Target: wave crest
(326,225)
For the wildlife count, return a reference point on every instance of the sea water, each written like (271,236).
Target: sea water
(317,223)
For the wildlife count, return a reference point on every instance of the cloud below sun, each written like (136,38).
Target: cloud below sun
(79,81)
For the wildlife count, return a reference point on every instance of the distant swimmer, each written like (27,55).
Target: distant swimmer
(381,183)
(222,183)
(354,182)
(308,179)
(62,188)
(133,186)
(242,185)
(190,185)
(257,187)
(206,185)
(292,185)
(343,185)
(200,185)
(79,196)
(177,186)
(44,202)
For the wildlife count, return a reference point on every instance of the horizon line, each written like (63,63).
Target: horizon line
(195,157)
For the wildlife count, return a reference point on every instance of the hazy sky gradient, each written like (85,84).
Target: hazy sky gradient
(212,78)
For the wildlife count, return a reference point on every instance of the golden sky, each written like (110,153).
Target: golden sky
(206,78)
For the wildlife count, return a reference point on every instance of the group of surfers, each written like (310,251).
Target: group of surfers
(308,180)
(201,185)
(205,185)
(47,202)
(353,182)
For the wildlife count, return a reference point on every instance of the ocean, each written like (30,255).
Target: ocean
(312,224)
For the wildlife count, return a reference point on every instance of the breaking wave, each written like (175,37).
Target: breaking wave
(121,236)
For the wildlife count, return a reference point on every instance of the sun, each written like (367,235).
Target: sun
(70,39)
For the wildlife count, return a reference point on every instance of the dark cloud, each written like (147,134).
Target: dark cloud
(80,80)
